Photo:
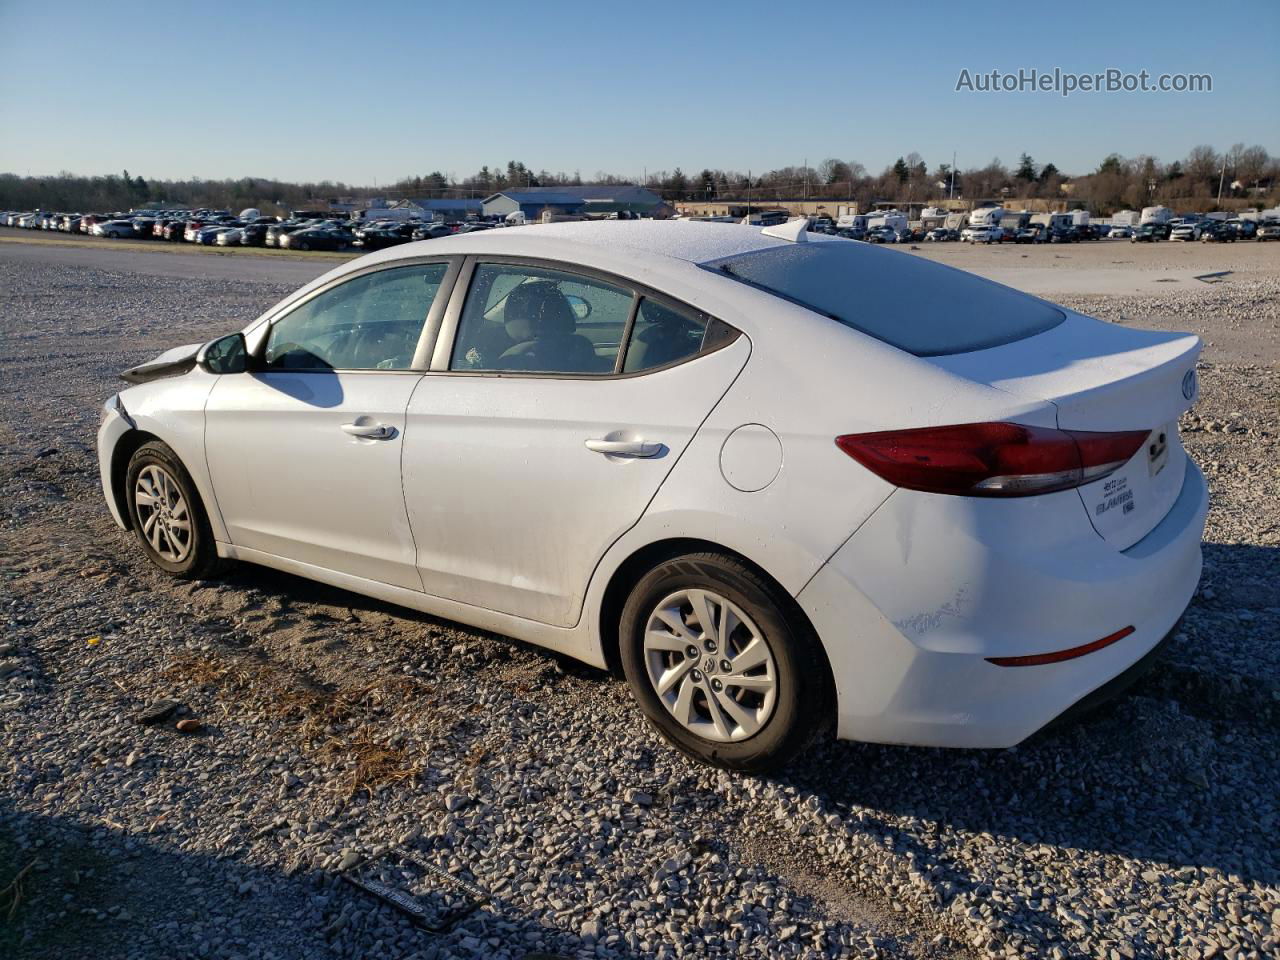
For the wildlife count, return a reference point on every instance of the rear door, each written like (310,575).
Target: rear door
(557,404)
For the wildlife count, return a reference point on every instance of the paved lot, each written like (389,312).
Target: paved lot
(337,727)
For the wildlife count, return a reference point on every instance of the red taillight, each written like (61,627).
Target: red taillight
(1037,659)
(991,459)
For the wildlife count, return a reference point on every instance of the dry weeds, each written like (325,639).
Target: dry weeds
(355,727)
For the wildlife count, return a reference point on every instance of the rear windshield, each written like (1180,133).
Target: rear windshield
(922,307)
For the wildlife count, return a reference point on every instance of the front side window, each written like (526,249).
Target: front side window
(370,323)
(531,319)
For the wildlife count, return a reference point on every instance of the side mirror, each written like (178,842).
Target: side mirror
(227,354)
(581,308)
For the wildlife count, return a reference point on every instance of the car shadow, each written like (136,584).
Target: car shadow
(316,388)
(291,588)
(1136,777)
(97,884)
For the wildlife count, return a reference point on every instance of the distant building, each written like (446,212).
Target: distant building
(346,205)
(598,201)
(738,208)
(439,208)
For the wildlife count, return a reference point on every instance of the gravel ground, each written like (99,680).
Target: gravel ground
(337,732)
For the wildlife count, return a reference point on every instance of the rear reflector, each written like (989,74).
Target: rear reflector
(991,459)
(1036,659)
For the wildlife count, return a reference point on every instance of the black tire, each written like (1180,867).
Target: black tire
(201,560)
(304,245)
(803,704)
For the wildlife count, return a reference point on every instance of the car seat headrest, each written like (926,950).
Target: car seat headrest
(536,310)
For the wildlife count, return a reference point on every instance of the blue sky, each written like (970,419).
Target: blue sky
(364,92)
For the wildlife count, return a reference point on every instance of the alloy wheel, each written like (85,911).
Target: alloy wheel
(163,513)
(710,665)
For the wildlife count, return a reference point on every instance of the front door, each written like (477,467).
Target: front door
(304,450)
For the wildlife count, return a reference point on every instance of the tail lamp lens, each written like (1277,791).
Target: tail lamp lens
(991,459)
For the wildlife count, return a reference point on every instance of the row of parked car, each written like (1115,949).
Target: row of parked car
(1200,228)
(1032,233)
(1186,228)
(221,228)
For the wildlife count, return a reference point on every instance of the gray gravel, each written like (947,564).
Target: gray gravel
(337,732)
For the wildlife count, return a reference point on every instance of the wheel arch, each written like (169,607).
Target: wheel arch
(645,558)
(125,448)
(129,444)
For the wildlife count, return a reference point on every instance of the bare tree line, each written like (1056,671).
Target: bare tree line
(1242,172)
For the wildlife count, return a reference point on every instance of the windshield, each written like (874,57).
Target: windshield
(924,308)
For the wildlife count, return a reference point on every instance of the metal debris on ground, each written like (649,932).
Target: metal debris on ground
(157,712)
(393,880)
(1217,277)
(271,827)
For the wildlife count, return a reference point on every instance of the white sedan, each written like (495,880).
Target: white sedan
(783,482)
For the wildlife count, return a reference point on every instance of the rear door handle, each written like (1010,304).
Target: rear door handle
(369,430)
(625,448)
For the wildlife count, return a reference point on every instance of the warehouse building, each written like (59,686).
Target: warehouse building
(605,201)
(440,208)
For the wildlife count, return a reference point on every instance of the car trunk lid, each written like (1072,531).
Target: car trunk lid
(1103,377)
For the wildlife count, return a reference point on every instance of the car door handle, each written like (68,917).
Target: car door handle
(624,448)
(369,431)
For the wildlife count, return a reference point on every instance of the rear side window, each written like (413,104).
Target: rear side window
(918,306)
(536,320)
(663,335)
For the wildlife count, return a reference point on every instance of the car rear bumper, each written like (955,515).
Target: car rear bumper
(1118,684)
(909,610)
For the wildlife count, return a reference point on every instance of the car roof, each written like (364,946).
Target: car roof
(690,241)
(667,255)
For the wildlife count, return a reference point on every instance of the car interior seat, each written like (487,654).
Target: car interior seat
(542,326)
(660,343)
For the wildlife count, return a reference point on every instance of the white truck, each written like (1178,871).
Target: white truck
(1054,221)
(984,226)
(1156,215)
(1011,221)
(986,217)
(895,220)
(852,221)
(1125,218)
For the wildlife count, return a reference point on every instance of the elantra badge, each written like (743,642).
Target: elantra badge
(1189,385)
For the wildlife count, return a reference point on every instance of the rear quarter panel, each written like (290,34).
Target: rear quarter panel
(808,380)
